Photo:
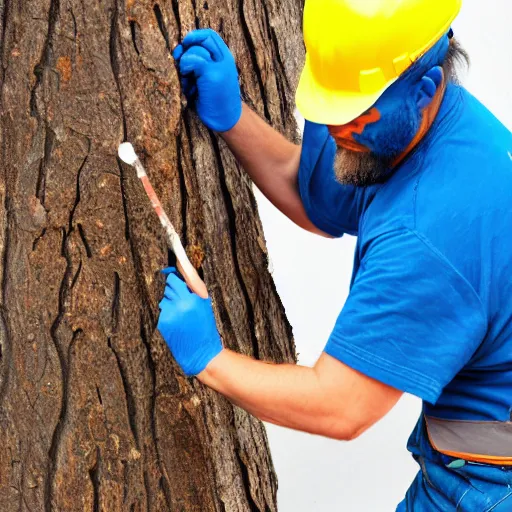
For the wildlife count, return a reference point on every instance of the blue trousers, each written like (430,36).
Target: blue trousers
(469,488)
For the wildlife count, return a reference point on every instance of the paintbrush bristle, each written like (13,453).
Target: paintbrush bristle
(127,153)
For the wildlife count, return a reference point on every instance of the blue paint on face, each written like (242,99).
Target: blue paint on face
(400,113)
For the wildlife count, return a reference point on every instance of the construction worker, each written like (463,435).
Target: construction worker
(395,152)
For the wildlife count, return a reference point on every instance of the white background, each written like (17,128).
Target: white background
(312,276)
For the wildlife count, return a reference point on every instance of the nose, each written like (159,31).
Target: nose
(347,130)
(357,125)
(344,134)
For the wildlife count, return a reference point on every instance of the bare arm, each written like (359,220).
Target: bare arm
(331,399)
(272,162)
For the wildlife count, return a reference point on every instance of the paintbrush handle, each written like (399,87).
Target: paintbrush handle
(194,282)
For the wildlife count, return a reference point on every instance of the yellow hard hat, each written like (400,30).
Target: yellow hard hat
(357,48)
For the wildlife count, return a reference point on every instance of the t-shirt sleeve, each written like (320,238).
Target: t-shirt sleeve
(332,207)
(411,320)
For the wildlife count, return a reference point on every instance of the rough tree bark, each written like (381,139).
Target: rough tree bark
(95,415)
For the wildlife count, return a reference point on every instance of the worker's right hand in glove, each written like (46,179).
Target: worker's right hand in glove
(188,326)
(209,79)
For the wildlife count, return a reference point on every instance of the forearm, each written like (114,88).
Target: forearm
(263,151)
(287,395)
(272,162)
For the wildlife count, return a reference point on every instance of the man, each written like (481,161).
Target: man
(395,152)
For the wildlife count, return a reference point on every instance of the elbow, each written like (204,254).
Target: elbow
(343,430)
(346,434)
(351,435)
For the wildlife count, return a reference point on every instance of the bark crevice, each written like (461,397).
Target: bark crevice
(176,11)
(4,11)
(161,25)
(114,63)
(134,29)
(43,166)
(233,232)
(83,237)
(152,405)
(129,396)
(77,190)
(4,327)
(116,300)
(253,506)
(94,476)
(64,357)
(183,190)
(67,283)
(46,55)
(253,49)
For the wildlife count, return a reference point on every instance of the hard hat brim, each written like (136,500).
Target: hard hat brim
(324,106)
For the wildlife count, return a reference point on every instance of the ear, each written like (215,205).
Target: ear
(428,87)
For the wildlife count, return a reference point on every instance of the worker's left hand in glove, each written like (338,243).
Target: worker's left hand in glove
(209,78)
(187,324)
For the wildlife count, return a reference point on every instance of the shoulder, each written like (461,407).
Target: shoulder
(466,169)
(463,169)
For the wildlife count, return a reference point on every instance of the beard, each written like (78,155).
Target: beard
(360,169)
(365,169)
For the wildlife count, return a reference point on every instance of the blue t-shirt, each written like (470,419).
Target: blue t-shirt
(430,306)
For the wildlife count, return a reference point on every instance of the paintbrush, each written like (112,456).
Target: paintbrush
(127,154)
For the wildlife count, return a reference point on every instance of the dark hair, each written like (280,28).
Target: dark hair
(455,58)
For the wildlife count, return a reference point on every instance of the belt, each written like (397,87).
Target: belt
(487,442)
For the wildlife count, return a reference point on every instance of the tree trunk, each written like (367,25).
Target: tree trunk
(95,415)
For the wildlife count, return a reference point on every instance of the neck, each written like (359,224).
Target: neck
(429,116)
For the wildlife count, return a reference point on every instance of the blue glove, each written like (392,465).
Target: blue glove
(209,79)
(187,324)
